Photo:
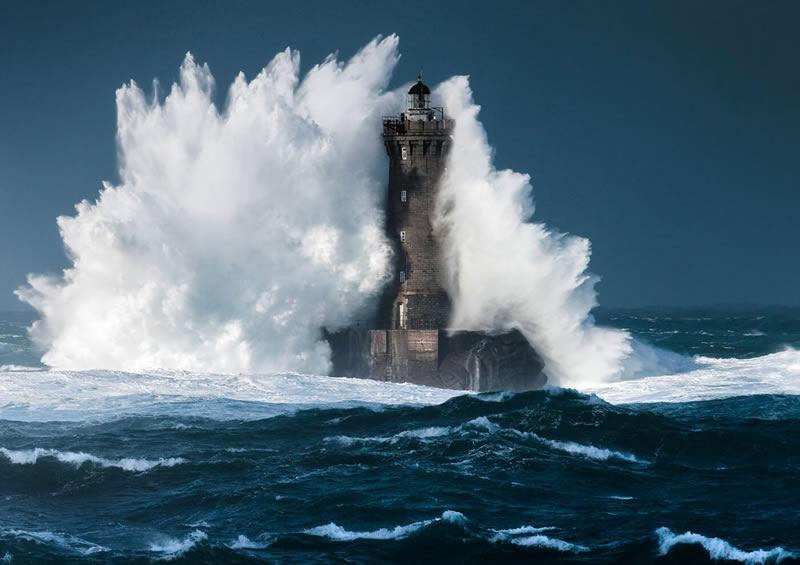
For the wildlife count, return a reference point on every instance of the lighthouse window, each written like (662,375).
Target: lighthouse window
(403,236)
(403,153)
(402,276)
(402,196)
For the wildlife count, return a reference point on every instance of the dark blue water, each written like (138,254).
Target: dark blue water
(548,476)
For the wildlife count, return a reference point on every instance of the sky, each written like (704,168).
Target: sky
(665,132)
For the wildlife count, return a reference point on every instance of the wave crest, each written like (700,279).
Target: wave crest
(172,547)
(78,458)
(719,549)
(57,539)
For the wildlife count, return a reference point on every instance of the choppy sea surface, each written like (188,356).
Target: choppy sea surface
(701,466)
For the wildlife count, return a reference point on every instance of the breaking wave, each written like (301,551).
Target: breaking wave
(720,550)
(243,542)
(507,272)
(483,424)
(171,547)
(588,451)
(338,533)
(516,536)
(78,458)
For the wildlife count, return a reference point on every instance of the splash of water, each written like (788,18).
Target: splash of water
(234,235)
(506,272)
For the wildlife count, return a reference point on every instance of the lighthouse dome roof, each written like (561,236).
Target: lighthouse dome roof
(419,88)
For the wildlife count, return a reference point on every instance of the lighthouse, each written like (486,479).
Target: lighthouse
(417,143)
(410,340)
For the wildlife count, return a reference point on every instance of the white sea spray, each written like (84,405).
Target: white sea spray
(237,233)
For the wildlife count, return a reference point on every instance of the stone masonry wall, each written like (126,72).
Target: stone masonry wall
(410,222)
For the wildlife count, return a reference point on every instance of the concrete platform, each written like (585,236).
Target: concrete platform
(473,361)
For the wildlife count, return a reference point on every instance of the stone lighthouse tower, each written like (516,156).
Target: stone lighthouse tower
(409,340)
(417,142)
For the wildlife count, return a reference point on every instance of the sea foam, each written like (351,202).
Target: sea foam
(588,451)
(530,536)
(719,549)
(710,378)
(484,425)
(172,547)
(78,395)
(58,539)
(243,542)
(32,456)
(338,533)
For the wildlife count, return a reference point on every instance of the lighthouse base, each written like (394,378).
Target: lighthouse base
(473,361)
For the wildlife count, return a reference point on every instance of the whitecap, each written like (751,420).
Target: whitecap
(524,530)
(617,497)
(337,533)
(250,449)
(62,540)
(590,451)
(530,536)
(573,448)
(172,547)
(482,422)
(548,543)
(719,549)
(7,558)
(19,369)
(78,458)
(420,433)
(243,542)
(424,433)
(454,517)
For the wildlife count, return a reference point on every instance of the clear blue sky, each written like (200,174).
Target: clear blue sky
(666,132)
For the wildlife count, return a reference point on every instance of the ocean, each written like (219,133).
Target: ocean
(698,466)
